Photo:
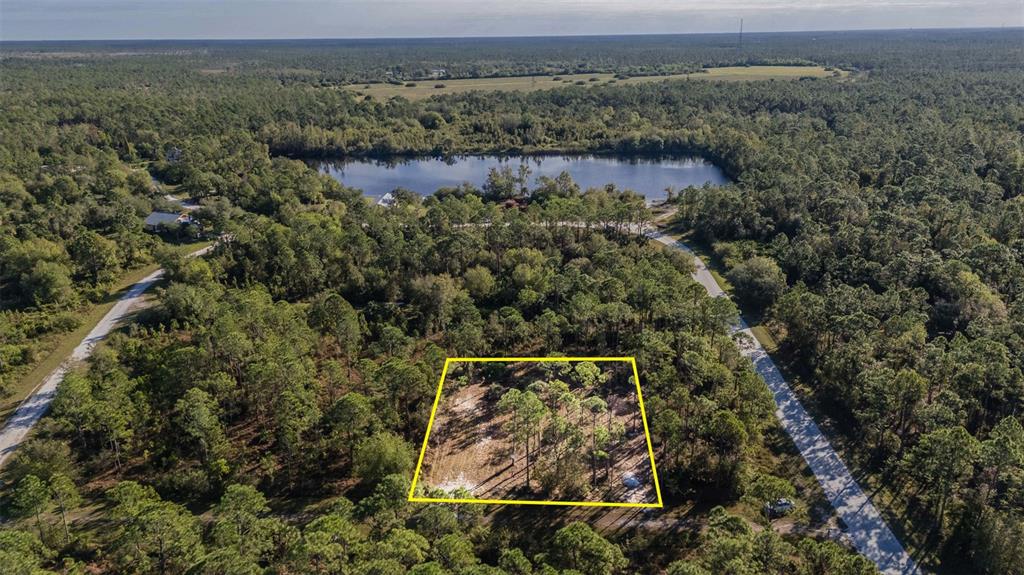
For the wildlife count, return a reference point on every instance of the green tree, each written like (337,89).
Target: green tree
(20,264)
(1003,450)
(727,436)
(829,557)
(577,546)
(48,283)
(65,494)
(802,313)
(595,406)
(686,568)
(434,296)
(95,257)
(242,523)
(429,568)
(333,316)
(349,418)
(295,413)
(479,282)
(405,385)
(197,417)
(588,376)
(380,455)
(75,404)
(940,464)
(757,281)
(764,488)
(402,545)
(156,536)
(30,498)
(526,412)
(514,562)
(455,552)
(328,543)
(114,414)
(41,457)
(22,553)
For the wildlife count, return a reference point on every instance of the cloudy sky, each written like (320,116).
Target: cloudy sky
(131,19)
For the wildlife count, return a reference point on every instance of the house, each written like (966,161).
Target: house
(438,73)
(157,220)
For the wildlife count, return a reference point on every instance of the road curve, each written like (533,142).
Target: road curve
(865,526)
(35,405)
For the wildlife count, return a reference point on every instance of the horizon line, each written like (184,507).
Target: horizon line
(513,37)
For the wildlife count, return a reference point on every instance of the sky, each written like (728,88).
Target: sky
(195,19)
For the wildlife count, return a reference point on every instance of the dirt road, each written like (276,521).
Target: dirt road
(36,405)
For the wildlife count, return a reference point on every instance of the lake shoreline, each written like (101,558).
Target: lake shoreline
(648,175)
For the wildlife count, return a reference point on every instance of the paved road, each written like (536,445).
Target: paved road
(865,526)
(35,406)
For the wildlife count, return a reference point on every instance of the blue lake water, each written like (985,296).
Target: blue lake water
(645,176)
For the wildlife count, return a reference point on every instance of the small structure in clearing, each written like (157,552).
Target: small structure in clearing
(157,221)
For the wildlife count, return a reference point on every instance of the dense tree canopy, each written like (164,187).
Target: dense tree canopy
(264,416)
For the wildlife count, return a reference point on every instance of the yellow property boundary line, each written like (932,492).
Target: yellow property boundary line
(433,413)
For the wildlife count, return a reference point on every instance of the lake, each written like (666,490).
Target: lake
(646,176)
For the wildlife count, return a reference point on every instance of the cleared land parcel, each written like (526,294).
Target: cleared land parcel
(420,89)
(539,431)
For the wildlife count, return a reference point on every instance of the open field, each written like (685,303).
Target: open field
(581,438)
(751,73)
(426,88)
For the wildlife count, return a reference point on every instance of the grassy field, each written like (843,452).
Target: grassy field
(60,346)
(751,73)
(426,88)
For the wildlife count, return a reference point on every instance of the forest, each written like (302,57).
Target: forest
(263,416)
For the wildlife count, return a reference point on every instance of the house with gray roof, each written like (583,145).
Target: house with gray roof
(157,220)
